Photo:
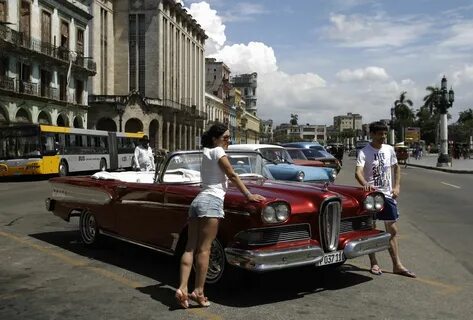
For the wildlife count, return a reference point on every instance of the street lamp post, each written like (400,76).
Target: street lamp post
(120,110)
(444,101)
(391,138)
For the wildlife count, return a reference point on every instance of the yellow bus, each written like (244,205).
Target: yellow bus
(29,149)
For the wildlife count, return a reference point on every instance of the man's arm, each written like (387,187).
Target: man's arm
(151,157)
(137,153)
(397,180)
(361,179)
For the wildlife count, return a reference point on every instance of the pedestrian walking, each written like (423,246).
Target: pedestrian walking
(143,157)
(377,169)
(205,212)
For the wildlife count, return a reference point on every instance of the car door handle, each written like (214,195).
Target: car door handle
(121,187)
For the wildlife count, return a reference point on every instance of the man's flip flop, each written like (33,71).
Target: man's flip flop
(376,270)
(406,273)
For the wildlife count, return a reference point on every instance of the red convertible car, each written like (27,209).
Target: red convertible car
(298,224)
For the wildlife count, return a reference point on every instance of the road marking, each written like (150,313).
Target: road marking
(450,185)
(201,313)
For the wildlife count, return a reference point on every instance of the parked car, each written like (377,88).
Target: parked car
(337,150)
(298,224)
(315,151)
(300,159)
(282,167)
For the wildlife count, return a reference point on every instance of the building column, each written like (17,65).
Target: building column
(180,137)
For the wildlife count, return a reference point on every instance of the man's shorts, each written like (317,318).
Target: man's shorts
(390,212)
(206,205)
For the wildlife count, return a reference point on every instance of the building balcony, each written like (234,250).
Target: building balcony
(169,104)
(33,90)
(18,42)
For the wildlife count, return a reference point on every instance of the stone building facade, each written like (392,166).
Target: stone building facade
(154,80)
(45,62)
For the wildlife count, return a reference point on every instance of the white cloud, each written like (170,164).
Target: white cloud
(368,74)
(374,31)
(463,76)
(211,23)
(253,57)
(461,36)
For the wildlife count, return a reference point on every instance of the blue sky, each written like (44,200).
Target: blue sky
(325,58)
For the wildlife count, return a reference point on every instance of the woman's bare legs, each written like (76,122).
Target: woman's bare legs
(188,255)
(207,231)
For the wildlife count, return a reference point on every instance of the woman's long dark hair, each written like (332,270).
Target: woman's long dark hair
(215,131)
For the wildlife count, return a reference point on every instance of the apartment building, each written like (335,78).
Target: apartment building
(45,62)
(247,83)
(150,72)
(307,132)
(350,121)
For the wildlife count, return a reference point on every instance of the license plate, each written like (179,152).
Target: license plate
(331,258)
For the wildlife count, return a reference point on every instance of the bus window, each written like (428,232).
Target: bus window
(49,144)
(103,142)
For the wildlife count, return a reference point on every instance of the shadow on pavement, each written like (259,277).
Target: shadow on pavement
(247,290)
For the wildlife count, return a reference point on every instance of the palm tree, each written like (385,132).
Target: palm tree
(403,112)
(430,100)
(294,119)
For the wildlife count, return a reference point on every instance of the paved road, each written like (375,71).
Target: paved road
(45,273)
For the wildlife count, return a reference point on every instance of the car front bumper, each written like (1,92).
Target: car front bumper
(268,260)
(363,246)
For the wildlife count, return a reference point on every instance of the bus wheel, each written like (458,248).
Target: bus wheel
(103,164)
(63,169)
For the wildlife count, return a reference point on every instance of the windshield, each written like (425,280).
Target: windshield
(296,154)
(277,155)
(186,167)
(19,142)
(313,153)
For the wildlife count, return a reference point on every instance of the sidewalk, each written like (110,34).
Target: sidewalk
(429,161)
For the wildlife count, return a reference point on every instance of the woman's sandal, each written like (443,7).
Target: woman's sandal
(201,300)
(182,299)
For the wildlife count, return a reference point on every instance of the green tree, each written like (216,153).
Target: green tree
(403,112)
(294,119)
(466,116)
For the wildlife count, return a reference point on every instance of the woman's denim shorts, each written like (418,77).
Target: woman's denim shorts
(206,205)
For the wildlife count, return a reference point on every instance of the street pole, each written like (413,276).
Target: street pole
(391,137)
(444,101)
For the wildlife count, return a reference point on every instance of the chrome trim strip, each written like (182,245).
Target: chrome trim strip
(135,242)
(72,193)
(175,205)
(242,213)
(154,203)
(364,246)
(262,260)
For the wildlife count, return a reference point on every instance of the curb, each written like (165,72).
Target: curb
(440,168)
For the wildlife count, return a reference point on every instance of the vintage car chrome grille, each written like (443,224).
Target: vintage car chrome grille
(329,222)
(272,235)
(357,223)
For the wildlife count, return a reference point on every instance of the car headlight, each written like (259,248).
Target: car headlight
(333,175)
(300,176)
(378,202)
(374,202)
(276,213)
